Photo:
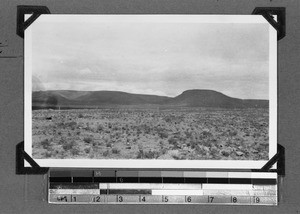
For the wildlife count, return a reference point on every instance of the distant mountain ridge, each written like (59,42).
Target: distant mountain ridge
(94,99)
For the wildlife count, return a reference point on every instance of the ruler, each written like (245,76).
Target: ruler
(162,187)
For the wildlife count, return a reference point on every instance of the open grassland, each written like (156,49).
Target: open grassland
(151,133)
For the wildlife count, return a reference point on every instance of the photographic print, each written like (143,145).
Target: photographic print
(151,91)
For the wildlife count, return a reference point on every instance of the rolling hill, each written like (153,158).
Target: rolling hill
(94,99)
(210,98)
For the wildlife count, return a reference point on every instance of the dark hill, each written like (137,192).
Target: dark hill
(210,98)
(86,99)
(206,98)
(119,98)
(92,99)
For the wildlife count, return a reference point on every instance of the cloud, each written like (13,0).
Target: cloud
(158,58)
(37,84)
(85,71)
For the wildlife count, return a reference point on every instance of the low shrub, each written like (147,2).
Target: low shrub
(232,133)
(87,139)
(163,135)
(69,145)
(72,125)
(207,143)
(205,134)
(140,154)
(151,154)
(75,151)
(164,151)
(176,157)
(193,144)
(115,151)
(87,150)
(48,154)
(174,154)
(256,135)
(105,153)
(188,134)
(172,141)
(100,128)
(161,144)
(62,141)
(45,143)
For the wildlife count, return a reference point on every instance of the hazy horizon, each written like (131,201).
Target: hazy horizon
(140,93)
(156,58)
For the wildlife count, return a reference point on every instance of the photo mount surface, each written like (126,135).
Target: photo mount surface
(36,11)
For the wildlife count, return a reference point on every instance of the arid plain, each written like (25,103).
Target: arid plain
(151,133)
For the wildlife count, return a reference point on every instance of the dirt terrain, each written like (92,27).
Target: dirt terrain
(151,133)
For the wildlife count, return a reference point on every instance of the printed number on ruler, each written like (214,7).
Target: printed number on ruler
(142,199)
(120,198)
(188,199)
(211,199)
(234,199)
(96,198)
(256,200)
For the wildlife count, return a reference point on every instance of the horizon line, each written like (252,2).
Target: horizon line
(146,94)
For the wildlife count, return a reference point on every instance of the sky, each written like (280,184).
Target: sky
(149,57)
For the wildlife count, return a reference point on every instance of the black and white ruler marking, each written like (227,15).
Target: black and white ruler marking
(162,187)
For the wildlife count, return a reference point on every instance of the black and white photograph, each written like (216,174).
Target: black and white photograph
(148,91)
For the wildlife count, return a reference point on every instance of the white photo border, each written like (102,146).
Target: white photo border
(153,164)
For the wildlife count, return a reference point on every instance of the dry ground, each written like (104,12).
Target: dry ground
(151,133)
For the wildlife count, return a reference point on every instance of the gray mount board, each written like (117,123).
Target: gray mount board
(27,193)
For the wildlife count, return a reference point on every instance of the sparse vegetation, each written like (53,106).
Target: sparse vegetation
(106,153)
(88,139)
(69,145)
(115,151)
(141,133)
(87,150)
(45,143)
(151,154)
(75,151)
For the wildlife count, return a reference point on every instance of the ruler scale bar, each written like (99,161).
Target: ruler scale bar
(56,185)
(105,179)
(149,186)
(128,191)
(165,180)
(75,191)
(173,199)
(177,192)
(162,187)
